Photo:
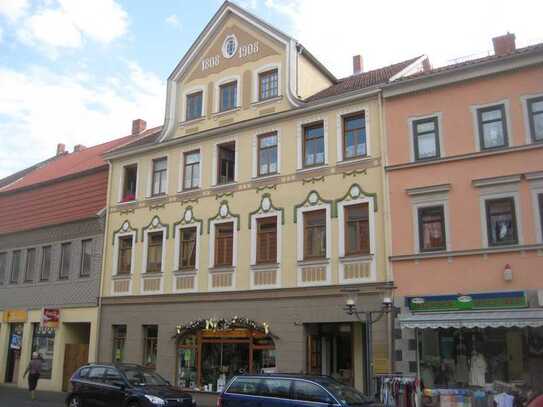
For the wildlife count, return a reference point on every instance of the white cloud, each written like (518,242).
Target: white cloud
(40,108)
(66,23)
(385,32)
(13,9)
(173,21)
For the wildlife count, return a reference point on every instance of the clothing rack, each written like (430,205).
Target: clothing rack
(398,390)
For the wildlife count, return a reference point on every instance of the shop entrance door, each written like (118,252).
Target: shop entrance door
(514,354)
(14,352)
(75,356)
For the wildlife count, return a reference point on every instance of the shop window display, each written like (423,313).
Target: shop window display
(43,342)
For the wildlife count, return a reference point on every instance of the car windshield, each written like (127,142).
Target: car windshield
(138,376)
(347,395)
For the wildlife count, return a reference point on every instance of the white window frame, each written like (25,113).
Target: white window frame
(162,229)
(526,116)
(188,92)
(426,201)
(411,133)
(256,82)
(256,135)
(216,145)
(477,134)
(511,192)
(121,180)
(150,175)
(115,265)
(339,132)
(272,213)
(224,81)
(177,252)
(538,215)
(235,238)
(300,139)
(181,183)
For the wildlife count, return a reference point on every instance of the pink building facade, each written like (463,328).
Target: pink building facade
(465,178)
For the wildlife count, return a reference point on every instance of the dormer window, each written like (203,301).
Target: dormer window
(268,84)
(228,96)
(194,105)
(130,178)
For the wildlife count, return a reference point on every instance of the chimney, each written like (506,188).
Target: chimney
(426,66)
(78,148)
(358,64)
(138,126)
(504,44)
(61,148)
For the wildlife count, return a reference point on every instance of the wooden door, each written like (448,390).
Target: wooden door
(314,355)
(75,356)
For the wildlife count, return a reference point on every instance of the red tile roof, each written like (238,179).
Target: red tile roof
(362,80)
(68,164)
(147,137)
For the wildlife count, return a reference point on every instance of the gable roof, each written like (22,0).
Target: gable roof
(363,80)
(65,165)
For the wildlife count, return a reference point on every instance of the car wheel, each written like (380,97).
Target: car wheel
(75,402)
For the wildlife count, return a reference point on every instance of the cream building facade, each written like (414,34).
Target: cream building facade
(236,232)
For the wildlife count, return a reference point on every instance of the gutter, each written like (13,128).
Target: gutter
(222,131)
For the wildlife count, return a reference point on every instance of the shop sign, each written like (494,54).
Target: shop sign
(50,317)
(15,315)
(486,301)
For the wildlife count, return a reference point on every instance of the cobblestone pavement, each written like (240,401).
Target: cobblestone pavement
(16,397)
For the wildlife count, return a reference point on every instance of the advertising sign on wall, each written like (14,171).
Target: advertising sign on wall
(50,317)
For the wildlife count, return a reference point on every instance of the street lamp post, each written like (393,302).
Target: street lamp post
(368,318)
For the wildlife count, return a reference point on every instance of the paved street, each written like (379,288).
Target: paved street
(16,397)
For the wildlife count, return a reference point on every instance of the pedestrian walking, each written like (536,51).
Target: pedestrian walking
(33,370)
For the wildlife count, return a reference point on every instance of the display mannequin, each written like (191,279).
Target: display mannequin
(478,368)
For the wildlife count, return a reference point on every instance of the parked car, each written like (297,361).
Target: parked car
(277,390)
(123,385)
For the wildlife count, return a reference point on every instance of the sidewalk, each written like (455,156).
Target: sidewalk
(11,396)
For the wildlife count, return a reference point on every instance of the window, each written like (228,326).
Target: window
(268,84)
(124,265)
(492,127)
(96,374)
(45,269)
(15,266)
(191,172)
(224,244)
(187,248)
(130,179)
(3,266)
(278,388)
(306,391)
(86,257)
(65,253)
(357,229)
(315,234)
(539,199)
(119,339)
(266,240)
(431,228)
(43,342)
(245,386)
(113,377)
(313,146)
(150,342)
(154,252)
(426,138)
(227,163)
(160,172)
(501,221)
(194,105)
(354,136)
(30,264)
(535,117)
(267,154)
(228,96)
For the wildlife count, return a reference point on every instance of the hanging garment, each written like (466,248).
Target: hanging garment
(504,400)
(462,370)
(478,370)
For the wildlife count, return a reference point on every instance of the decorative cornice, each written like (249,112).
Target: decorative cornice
(313,198)
(355,191)
(431,189)
(354,173)
(189,219)
(490,182)
(267,206)
(124,228)
(156,224)
(223,213)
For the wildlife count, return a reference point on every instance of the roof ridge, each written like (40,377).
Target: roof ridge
(381,68)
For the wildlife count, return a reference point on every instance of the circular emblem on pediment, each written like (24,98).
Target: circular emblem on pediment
(223,210)
(125,226)
(229,46)
(266,204)
(155,222)
(313,198)
(188,215)
(355,191)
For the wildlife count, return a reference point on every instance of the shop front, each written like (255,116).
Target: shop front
(489,343)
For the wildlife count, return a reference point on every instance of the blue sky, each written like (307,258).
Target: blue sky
(79,71)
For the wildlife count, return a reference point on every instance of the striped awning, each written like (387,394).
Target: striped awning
(532,317)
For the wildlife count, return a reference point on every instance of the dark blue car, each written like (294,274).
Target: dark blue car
(278,390)
(123,385)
